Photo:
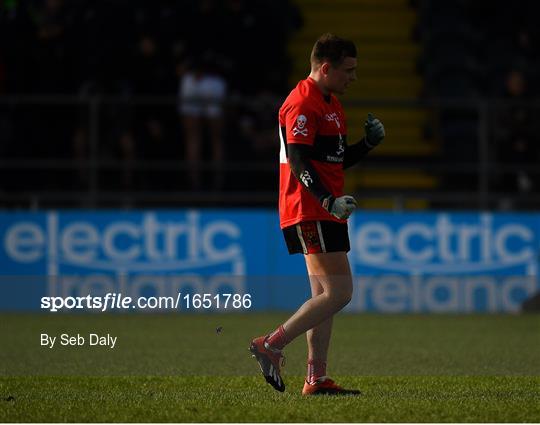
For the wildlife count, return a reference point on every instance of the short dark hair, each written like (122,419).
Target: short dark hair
(331,48)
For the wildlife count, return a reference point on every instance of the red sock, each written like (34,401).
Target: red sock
(278,339)
(315,369)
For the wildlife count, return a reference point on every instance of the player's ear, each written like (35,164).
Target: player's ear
(325,67)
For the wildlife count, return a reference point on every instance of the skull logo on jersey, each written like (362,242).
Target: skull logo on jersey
(300,126)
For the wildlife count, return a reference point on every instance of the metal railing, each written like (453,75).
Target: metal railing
(469,176)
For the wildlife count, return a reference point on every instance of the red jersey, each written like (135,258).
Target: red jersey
(309,117)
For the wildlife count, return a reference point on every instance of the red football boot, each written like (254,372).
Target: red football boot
(326,386)
(270,361)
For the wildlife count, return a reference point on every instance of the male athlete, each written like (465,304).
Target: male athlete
(313,209)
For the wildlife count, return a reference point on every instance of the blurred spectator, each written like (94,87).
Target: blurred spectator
(128,48)
(201,96)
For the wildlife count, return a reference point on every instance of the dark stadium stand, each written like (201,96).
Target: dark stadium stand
(108,54)
(89,98)
(470,53)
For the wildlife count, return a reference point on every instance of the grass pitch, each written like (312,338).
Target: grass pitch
(178,368)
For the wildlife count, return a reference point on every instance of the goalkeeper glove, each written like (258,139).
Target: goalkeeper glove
(374,131)
(341,207)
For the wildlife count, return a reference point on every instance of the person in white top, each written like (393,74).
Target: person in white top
(201,96)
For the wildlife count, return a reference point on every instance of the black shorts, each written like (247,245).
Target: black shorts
(315,237)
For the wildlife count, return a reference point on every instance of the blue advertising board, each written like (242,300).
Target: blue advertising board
(444,262)
(401,262)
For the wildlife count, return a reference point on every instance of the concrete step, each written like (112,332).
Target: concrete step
(367,51)
(390,179)
(359,32)
(364,75)
(355,16)
(405,150)
(385,87)
(372,68)
(379,91)
(406,72)
(373,51)
(390,204)
(398,116)
(382,66)
(404,131)
(393,129)
(338,4)
(396,146)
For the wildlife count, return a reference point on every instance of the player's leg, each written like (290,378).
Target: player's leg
(325,244)
(317,382)
(318,339)
(333,274)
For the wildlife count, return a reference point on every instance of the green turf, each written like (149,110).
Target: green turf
(247,399)
(472,368)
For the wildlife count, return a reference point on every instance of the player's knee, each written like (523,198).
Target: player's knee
(341,297)
(346,298)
